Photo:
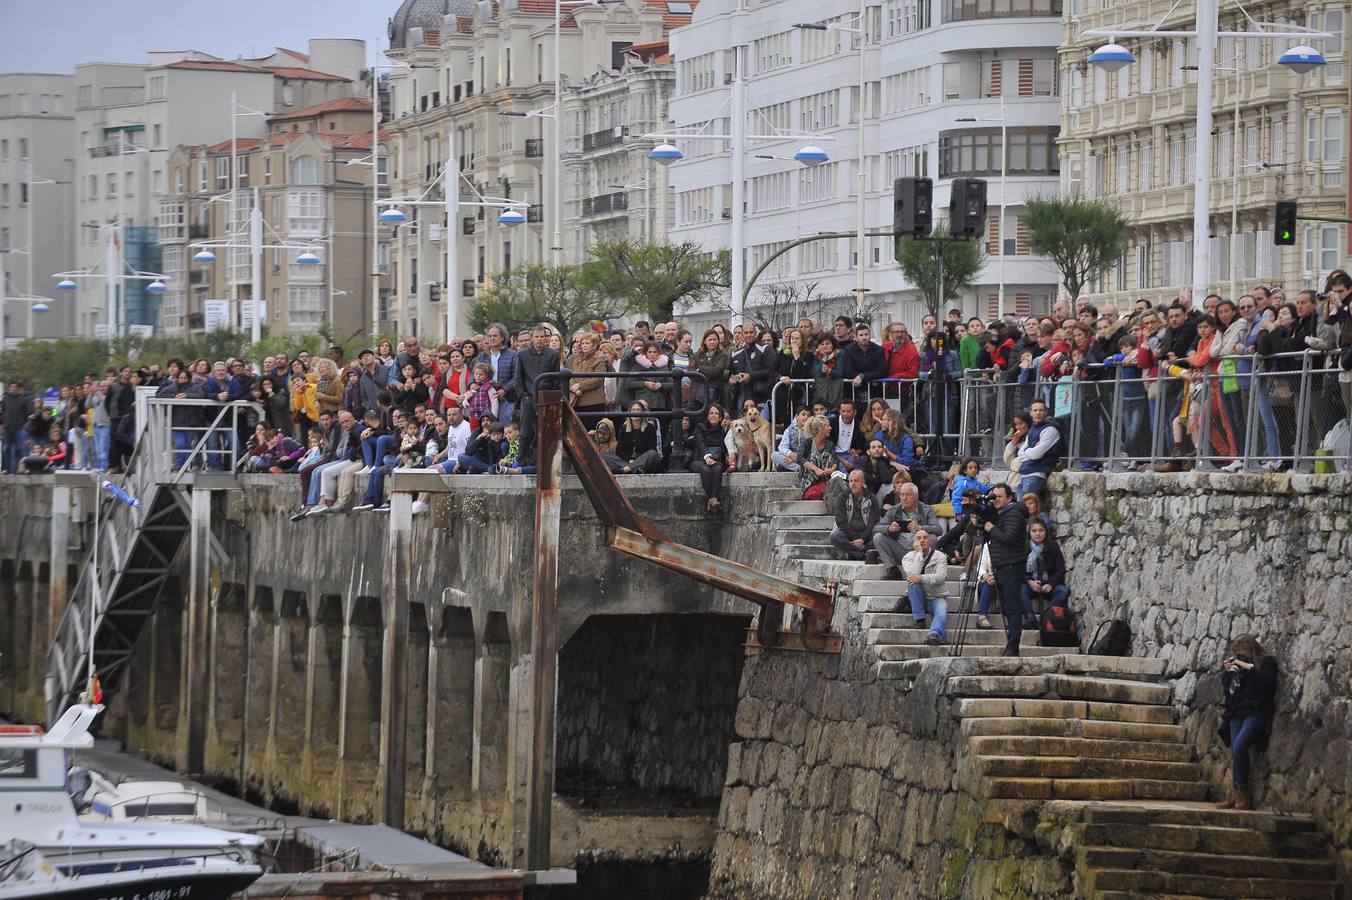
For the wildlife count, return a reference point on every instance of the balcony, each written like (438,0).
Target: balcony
(535,213)
(198,232)
(1126,113)
(113,150)
(535,148)
(199,275)
(1174,103)
(467,225)
(467,287)
(606,137)
(605,203)
(1270,85)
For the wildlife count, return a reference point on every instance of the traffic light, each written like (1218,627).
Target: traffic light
(967,207)
(1284,224)
(912,206)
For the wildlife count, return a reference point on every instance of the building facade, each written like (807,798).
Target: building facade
(127,120)
(310,199)
(1130,136)
(36,210)
(459,65)
(928,65)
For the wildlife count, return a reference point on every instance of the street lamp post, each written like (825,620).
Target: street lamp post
(1113,56)
(115,274)
(667,153)
(1004,193)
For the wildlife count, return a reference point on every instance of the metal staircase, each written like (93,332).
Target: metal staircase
(135,550)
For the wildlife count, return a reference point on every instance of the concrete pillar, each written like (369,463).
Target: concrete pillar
(394,661)
(344,700)
(492,663)
(450,700)
(58,589)
(197,632)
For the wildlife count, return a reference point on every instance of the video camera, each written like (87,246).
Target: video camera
(977,503)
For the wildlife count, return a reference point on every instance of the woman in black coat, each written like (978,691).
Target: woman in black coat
(1249,691)
(709,457)
(636,447)
(276,406)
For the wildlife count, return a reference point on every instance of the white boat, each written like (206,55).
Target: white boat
(110,859)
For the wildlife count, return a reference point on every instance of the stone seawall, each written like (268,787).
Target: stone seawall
(1196,559)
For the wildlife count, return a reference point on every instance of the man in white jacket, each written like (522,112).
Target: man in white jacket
(926,570)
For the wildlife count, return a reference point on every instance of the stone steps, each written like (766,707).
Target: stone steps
(1200,838)
(807,551)
(1156,814)
(1134,883)
(896,653)
(1040,726)
(1228,865)
(790,536)
(798,508)
(810,520)
(1095,748)
(862,574)
(1060,767)
(976,637)
(1091,789)
(1064,687)
(882,621)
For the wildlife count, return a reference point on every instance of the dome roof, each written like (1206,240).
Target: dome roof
(424,14)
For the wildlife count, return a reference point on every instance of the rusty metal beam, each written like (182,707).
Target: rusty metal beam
(724,574)
(604,492)
(544,635)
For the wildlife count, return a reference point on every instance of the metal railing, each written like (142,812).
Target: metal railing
(183,435)
(1245,413)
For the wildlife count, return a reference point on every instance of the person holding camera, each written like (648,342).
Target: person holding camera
(1006,528)
(1249,686)
(895,534)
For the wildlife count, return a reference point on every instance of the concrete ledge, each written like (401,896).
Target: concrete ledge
(1156,483)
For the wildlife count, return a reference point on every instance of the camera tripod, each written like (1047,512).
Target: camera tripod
(973,543)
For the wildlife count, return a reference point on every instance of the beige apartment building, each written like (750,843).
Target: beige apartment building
(310,198)
(459,65)
(1130,136)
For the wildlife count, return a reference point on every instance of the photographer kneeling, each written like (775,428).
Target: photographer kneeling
(1006,530)
(1249,680)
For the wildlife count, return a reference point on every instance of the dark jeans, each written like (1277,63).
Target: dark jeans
(710,477)
(14,448)
(841,541)
(1245,728)
(1009,583)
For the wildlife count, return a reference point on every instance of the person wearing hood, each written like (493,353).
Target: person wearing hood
(654,391)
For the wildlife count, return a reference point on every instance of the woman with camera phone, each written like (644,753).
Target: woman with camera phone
(1249,686)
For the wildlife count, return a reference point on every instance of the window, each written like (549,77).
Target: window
(4,239)
(1146,162)
(506,256)
(1176,161)
(818,111)
(1123,171)
(821,44)
(695,207)
(965,10)
(156,87)
(817,183)
(1277,141)
(907,90)
(1032,151)
(4,194)
(267,170)
(773,52)
(84,96)
(128,183)
(4,150)
(305,213)
(305,170)
(158,131)
(1142,266)
(1323,251)
(696,73)
(173,220)
(769,192)
(23,148)
(222,173)
(178,181)
(818,256)
(305,305)
(18,763)
(1044,77)
(112,184)
(679,8)
(305,273)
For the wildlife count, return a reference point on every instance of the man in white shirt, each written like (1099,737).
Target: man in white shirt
(926,570)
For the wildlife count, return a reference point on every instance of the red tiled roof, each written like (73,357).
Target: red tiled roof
(464,24)
(432,37)
(342,104)
(209,65)
(670,20)
(545,7)
(294,72)
(303,57)
(355,140)
(242,145)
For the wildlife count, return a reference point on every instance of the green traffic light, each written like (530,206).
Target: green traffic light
(1286,235)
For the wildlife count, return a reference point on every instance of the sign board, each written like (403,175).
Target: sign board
(145,332)
(103,332)
(246,314)
(215,314)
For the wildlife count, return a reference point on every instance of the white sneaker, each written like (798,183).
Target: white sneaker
(364,471)
(363,507)
(1234,466)
(319,510)
(420,506)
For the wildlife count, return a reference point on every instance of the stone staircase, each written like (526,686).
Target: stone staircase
(1088,748)
(803,540)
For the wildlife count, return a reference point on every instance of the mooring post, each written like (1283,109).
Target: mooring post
(58,586)
(394,660)
(544,636)
(197,625)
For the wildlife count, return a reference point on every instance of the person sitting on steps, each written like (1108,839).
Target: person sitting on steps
(926,570)
(896,531)
(856,512)
(1249,692)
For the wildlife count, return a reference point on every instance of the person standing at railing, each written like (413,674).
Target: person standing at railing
(14,409)
(863,363)
(100,426)
(827,386)
(1132,393)
(121,404)
(1234,330)
(223,388)
(714,362)
(1038,448)
(795,372)
(903,365)
(1281,380)
(1337,330)
(1179,337)
(184,419)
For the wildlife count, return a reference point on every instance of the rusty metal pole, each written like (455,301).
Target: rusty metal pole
(544,632)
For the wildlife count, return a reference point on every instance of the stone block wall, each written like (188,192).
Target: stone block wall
(844,786)
(1196,559)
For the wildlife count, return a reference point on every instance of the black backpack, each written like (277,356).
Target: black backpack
(1115,641)
(1059,627)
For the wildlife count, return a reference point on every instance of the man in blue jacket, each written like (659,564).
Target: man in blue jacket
(500,358)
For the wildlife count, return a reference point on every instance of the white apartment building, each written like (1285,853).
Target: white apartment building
(928,63)
(36,162)
(469,63)
(129,117)
(612,190)
(1130,136)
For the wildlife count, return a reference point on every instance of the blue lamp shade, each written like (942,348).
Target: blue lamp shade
(811,156)
(65,284)
(156,287)
(1111,57)
(204,256)
(307,259)
(510,217)
(1302,59)
(40,307)
(666,154)
(391,215)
